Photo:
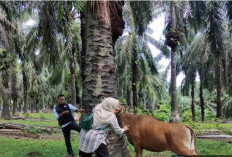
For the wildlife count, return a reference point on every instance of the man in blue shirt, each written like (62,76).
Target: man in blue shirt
(63,113)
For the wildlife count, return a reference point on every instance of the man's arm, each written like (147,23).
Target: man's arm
(57,116)
(74,109)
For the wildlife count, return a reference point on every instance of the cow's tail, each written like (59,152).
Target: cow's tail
(193,141)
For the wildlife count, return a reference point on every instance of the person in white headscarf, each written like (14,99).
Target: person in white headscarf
(103,119)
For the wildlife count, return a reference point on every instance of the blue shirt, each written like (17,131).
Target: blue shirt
(71,107)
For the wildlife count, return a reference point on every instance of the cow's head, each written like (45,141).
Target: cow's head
(124,108)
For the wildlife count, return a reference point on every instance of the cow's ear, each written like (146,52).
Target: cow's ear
(126,107)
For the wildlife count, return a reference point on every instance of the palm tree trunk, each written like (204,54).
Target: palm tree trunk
(144,100)
(6,91)
(73,78)
(25,108)
(225,67)
(134,83)
(33,105)
(193,103)
(201,96)
(14,90)
(37,105)
(219,87)
(82,57)
(99,72)
(84,42)
(174,109)
(99,75)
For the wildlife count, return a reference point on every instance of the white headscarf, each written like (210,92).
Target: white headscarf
(104,112)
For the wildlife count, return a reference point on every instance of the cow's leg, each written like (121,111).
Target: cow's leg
(183,151)
(138,150)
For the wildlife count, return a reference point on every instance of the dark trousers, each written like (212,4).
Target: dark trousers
(66,132)
(101,151)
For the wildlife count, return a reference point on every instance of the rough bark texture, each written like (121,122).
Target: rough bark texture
(33,105)
(225,70)
(201,97)
(175,117)
(193,102)
(173,38)
(6,91)
(134,84)
(73,80)
(25,106)
(37,105)
(117,23)
(14,95)
(99,75)
(83,50)
(99,78)
(219,88)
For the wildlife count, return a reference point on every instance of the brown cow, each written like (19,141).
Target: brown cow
(145,132)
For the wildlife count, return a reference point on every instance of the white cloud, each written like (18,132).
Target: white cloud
(157,26)
(29,23)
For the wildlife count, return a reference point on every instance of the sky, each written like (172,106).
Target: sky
(157,25)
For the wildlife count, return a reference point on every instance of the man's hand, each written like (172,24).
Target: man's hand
(63,113)
(66,112)
(81,110)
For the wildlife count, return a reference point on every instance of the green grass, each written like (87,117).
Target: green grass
(46,148)
(31,122)
(56,148)
(204,147)
(40,115)
(199,127)
(212,147)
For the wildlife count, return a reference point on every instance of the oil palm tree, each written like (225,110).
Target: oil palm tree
(7,29)
(133,50)
(103,26)
(217,47)
(172,41)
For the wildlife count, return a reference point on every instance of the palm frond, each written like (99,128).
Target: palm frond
(159,45)
(148,55)
(227,107)
(216,29)
(142,14)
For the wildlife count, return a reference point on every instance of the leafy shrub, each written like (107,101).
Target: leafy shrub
(140,111)
(123,100)
(27,115)
(32,130)
(209,115)
(163,113)
(186,116)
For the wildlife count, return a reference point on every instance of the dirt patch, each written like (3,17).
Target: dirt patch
(227,138)
(22,135)
(34,154)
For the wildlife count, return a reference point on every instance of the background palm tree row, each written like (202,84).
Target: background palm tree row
(95,49)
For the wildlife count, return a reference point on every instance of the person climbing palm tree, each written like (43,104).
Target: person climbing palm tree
(63,113)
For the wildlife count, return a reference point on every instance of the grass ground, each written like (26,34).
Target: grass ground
(21,147)
(200,127)
(31,119)
(11,146)
(40,148)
